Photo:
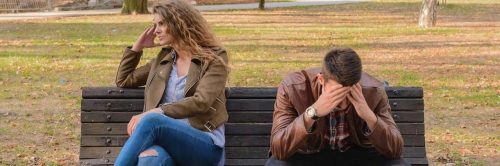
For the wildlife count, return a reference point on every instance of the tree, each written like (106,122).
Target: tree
(135,7)
(427,14)
(261,4)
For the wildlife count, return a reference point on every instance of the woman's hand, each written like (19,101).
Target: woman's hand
(137,118)
(146,40)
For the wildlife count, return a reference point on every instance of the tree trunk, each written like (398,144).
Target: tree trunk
(261,4)
(135,7)
(427,14)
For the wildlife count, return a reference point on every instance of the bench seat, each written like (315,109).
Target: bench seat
(105,112)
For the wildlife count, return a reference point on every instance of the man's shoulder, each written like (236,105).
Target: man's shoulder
(369,81)
(372,87)
(298,77)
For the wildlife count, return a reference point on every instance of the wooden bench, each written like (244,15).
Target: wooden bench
(105,112)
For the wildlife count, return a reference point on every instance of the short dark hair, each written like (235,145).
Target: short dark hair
(342,65)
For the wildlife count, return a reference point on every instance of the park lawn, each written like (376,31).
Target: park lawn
(44,63)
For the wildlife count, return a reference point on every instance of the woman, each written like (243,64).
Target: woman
(184,99)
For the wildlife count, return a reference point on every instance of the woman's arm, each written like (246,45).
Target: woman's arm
(128,75)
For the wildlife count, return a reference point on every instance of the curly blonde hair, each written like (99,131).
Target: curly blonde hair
(188,27)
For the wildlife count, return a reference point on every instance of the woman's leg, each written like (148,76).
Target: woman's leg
(186,145)
(155,156)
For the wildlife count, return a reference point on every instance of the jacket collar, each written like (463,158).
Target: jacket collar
(170,56)
(194,73)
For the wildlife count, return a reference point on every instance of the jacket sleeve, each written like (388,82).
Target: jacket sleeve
(210,86)
(288,130)
(385,136)
(128,76)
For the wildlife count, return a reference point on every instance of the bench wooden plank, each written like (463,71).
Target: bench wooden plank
(234,116)
(246,162)
(404,92)
(417,161)
(261,152)
(260,162)
(136,105)
(97,162)
(232,92)
(231,140)
(251,92)
(107,117)
(99,152)
(231,162)
(231,128)
(265,128)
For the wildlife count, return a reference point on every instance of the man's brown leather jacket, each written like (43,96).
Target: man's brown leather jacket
(289,134)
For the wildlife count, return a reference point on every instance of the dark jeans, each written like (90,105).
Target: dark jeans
(353,157)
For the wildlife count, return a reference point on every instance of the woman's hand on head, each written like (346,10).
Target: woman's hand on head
(145,40)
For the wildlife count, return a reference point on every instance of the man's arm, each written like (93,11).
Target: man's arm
(381,129)
(289,128)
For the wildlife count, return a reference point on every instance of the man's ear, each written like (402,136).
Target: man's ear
(321,79)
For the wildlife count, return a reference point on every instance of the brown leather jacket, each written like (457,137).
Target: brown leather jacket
(289,134)
(205,102)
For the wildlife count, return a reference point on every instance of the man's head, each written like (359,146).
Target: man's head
(342,66)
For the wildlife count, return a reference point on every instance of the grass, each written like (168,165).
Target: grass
(44,63)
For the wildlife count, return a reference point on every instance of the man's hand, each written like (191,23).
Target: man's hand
(358,101)
(137,118)
(146,40)
(330,98)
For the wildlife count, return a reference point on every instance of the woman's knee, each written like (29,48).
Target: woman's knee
(155,155)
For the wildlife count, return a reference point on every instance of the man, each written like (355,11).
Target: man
(334,115)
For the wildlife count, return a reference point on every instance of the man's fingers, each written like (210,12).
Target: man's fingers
(351,98)
(333,88)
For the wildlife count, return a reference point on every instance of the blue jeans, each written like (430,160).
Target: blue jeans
(175,142)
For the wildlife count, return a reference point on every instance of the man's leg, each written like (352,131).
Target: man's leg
(370,156)
(321,158)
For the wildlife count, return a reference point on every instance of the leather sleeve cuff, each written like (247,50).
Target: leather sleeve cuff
(377,127)
(310,130)
(128,50)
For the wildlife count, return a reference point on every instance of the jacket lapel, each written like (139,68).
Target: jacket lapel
(194,73)
(159,81)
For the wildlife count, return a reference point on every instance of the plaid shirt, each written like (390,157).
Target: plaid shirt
(339,130)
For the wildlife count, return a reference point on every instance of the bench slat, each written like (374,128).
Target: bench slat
(136,105)
(231,152)
(234,116)
(233,92)
(265,128)
(232,162)
(231,128)
(231,140)
(261,152)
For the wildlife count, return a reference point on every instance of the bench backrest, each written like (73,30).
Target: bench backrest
(105,112)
